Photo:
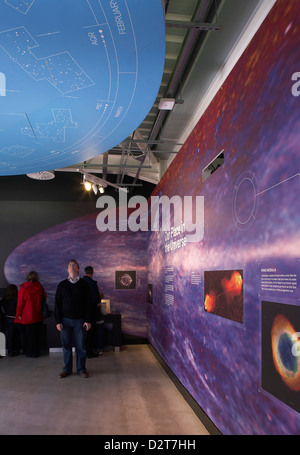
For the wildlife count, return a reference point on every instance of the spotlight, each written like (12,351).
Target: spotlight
(95,188)
(87,185)
(101,189)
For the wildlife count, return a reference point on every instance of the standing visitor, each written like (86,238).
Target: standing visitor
(31,296)
(73,315)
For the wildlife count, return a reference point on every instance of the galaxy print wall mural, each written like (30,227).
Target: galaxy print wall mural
(107,252)
(224,311)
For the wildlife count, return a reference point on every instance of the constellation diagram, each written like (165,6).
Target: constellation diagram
(22,6)
(17,151)
(60,70)
(56,129)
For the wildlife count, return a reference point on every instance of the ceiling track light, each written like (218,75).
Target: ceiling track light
(100,184)
(88,185)
(95,188)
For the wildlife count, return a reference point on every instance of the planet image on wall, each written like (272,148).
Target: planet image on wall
(281,352)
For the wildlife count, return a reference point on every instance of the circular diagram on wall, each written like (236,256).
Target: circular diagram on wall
(76,78)
(245,200)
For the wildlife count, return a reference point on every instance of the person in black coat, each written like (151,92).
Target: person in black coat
(14,332)
(94,339)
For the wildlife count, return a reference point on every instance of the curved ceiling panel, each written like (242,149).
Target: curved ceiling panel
(76,78)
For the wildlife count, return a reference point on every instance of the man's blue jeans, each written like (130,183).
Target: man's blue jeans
(73,327)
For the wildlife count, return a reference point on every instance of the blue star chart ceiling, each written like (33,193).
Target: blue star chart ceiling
(76,78)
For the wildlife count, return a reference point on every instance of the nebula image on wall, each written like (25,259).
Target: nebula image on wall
(223,291)
(125,279)
(281,352)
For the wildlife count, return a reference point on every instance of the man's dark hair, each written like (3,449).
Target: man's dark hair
(88,270)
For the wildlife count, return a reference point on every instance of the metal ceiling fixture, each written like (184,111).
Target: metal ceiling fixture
(141,155)
(44,175)
(200,38)
(101,183)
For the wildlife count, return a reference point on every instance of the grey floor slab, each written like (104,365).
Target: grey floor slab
(127,393)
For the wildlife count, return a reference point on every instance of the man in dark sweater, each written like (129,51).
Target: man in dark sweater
(73,315)
(95,336)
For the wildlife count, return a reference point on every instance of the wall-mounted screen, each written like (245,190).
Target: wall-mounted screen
(213,166)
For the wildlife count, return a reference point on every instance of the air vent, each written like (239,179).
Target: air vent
(213,166)
(45,175)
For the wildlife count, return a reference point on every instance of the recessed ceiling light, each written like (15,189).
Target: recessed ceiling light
(45,175)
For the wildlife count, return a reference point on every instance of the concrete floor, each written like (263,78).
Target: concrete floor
(127,393)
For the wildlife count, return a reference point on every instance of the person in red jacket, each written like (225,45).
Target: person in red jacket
(29,312)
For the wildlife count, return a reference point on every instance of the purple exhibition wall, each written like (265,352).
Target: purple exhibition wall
(243,368)
(49,252)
